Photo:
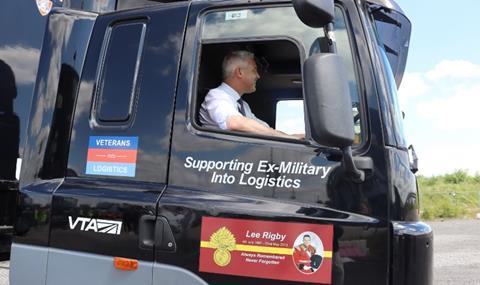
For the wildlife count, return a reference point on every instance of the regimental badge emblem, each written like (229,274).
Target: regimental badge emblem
(224,242)
(44,6)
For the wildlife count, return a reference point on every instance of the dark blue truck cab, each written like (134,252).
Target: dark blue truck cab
(121,184)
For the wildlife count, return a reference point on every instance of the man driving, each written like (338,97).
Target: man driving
(223,106)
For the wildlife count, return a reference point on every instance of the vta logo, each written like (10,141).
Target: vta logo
(95,225)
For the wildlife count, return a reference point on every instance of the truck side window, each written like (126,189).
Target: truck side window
(393,100)
(290,116)
(280,42)
(117,81)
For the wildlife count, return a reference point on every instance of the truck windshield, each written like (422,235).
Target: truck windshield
(282,22)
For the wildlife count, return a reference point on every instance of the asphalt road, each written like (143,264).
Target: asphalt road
(456,256)
(456,252)
(4,265)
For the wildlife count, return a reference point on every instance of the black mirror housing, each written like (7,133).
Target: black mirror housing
(315,13)
(328,101)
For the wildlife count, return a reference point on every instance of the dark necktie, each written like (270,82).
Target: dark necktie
(241,109)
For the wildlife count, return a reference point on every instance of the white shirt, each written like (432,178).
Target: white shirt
(219,104)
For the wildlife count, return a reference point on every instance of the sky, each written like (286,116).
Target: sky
(440,91)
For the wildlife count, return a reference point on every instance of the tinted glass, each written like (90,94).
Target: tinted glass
(119,73)
(393,98)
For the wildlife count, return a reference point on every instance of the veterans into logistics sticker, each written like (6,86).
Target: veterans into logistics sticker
(112,156)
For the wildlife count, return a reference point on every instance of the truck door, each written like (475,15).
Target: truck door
(252,209)
(103,213)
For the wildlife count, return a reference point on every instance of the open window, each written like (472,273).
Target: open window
(278,63)
(280,42)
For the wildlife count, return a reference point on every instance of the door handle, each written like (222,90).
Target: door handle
(164,239)
(155,233)
(146,232)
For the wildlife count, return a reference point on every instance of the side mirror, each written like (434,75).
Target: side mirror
(328,101)
(314,13)
(329,107)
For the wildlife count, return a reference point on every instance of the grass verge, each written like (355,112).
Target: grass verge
(455,195)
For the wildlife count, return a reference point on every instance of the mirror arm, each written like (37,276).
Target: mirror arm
(414,162)
(357,175)
(328,30)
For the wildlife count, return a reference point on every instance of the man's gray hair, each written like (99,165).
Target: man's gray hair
(233,60)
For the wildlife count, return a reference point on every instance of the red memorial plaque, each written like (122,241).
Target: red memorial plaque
(272,250)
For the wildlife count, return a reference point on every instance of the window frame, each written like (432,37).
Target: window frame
(192,106)
(95,121)
(191,114)
(364,125)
